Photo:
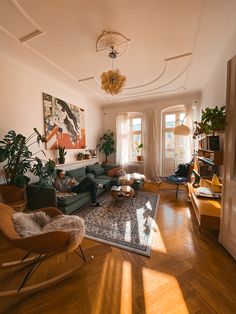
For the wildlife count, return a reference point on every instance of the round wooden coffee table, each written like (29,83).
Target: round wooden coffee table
(126,180)
(125,192)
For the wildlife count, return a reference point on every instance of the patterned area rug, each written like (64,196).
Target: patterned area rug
(121,223)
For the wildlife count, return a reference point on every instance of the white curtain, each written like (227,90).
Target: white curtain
(122,139)
(151,144)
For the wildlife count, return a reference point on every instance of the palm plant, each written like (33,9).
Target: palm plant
(16,154)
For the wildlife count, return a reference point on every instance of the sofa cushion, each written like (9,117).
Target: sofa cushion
(102,181)
(69,199)
(96,169)
(108,167)
(90,175)
(78,174)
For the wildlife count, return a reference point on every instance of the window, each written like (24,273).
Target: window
(135,136)
(173,148)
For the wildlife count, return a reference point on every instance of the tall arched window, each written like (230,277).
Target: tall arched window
(174,148)
(128,135)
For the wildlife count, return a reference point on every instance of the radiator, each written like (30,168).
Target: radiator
(132,167)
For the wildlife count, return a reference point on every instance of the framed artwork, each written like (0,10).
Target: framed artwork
(64,123)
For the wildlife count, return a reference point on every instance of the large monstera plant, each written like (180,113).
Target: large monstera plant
(18,159)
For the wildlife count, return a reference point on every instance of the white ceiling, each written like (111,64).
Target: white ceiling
(195,31)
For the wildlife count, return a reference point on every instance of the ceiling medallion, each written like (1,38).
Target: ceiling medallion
(113,45)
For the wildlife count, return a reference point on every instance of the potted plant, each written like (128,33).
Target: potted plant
(106,144)
(212,120)
(80,156)
(62,153)
(87,155)
(138,149)
(18,159)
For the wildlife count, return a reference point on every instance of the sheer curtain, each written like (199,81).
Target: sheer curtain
(122,139)
(151,144)
(189,123)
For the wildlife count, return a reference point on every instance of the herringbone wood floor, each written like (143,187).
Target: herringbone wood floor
(188,271)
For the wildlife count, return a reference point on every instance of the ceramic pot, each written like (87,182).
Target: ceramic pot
(61,160)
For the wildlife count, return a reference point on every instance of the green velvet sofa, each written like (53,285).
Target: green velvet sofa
(44,195)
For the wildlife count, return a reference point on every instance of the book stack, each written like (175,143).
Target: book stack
(206,192)
(116,188)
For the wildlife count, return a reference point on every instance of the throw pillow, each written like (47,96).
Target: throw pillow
(115,172)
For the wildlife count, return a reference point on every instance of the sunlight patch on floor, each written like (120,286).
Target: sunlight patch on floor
(126,289)
(128,231)
(168,299)
(158,242)
(106,283)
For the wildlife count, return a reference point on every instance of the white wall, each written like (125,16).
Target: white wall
(21,87)
(110,112)
(214,92)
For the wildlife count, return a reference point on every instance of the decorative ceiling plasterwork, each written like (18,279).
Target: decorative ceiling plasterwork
(163,71)
(179,81)
(36,28)
(112,40)
(161,84)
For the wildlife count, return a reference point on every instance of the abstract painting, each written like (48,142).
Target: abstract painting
(64,124)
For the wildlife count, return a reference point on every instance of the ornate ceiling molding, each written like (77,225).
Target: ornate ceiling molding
(162,72)
(151,91)
(37,29)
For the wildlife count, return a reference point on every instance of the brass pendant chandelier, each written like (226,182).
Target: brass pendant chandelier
(112,45)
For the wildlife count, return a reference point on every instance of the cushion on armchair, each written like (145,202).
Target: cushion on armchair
(31,224)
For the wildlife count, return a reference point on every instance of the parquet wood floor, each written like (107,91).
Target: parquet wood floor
(188,272)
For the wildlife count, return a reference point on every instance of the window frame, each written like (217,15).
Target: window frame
(131,117)
(165,130)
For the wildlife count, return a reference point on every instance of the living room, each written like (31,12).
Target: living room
(174,56)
